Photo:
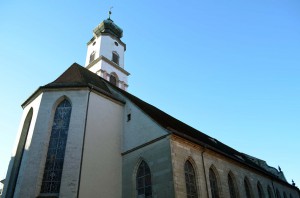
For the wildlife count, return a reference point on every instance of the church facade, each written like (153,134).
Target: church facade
(83,135)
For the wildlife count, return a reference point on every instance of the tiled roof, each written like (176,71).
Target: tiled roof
(78,76)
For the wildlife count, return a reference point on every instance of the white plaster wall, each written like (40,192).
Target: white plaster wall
(109,69)
(31,172)
(101,173)
(91,48)
(104,46)
(35,106)
(140,129)
(108,46)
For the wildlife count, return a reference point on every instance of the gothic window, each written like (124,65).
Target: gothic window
(247,188)
(115,57)
(278,194)
(56,149)
(143,181)
(92,56)
(284,195)
(113,79)
(232,188)
(213,184)
(270,193)
(19,155)
(190,180)
(291,196)
(260,190)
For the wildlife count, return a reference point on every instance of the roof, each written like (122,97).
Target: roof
(78,76)
(108,26)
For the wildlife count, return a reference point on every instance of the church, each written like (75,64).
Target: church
(83,135)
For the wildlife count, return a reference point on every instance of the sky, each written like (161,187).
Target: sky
(227,68)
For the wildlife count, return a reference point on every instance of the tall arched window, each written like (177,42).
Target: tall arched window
(56,149)
(115,57)
(19,155)
(291,196)
(143,181)
(213,184)
(270,193)
(232,186)
(190,180)
(278,193)
(247,188)
(284,195)
(260,190)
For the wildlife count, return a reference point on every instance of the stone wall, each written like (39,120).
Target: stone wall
(204,159)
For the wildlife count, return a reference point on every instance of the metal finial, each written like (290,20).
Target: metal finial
(109,13)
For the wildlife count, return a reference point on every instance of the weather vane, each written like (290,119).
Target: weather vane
(109,13)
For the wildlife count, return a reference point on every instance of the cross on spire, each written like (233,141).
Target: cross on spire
(109,13)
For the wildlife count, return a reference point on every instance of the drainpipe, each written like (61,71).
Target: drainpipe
(86,114)
(204,171)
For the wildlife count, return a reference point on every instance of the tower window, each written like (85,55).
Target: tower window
(115,57)
(92,56)
(113,79)
(116,43)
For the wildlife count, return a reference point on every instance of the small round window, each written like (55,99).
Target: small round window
(116,43)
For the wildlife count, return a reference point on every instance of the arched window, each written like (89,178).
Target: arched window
(213,184)
(260,190)
(143,181)
(270,193)
(19,155)
(232,186)
(278,193)
(56,149)
(247,188)
(291,196)
(92,56)
(113,78)
(115,57)
(190,180)
(284,195)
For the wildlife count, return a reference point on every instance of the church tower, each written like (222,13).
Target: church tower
(105,53)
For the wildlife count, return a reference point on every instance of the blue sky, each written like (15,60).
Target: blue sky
(228,68)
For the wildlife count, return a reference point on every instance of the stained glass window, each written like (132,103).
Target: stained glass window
(260,190)
(56,149)
(143,181)
(278,194)
(247,188)
(213,184)
(190,180)
(270,194)
(231,186)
